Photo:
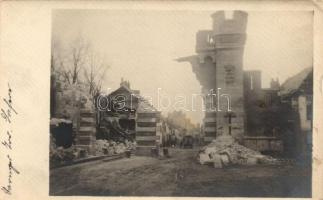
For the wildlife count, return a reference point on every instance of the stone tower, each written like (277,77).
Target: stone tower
(218,67)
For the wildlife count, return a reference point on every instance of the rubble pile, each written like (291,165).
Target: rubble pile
(59,155)
(107,147)
(131,145)
(224,151)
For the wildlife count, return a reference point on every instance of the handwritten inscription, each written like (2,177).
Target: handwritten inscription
(7,143)
(7,113)
(12,170)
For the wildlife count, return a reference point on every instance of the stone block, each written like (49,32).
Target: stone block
(204,158)
(217,162)
(87,129)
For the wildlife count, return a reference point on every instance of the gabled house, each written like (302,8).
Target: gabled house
(297,95)
(130,116)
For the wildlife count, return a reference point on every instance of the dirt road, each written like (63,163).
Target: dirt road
(180,175)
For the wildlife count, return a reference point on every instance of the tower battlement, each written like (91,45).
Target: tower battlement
(225,33)
(236,25)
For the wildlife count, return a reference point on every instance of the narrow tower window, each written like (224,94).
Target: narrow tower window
(229,74)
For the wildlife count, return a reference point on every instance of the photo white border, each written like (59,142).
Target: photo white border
(25,36)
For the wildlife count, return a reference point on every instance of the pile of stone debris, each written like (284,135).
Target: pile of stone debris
(59,155)
(225,151)
(109,147)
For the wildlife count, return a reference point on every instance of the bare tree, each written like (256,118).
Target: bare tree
(59,63)
(69,63)
(61,69)
(95,73)
(79,52)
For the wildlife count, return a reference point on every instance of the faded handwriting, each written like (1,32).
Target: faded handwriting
(7,143)
(6,113)
(12,170)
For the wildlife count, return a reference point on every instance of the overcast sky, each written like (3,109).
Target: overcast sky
(141,46)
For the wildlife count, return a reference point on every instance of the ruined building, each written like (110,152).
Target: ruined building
(130,117)
(218,67)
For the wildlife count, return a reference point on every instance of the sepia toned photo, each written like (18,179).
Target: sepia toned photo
(181,103)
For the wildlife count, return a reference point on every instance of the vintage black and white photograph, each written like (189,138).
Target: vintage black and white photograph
(181,103)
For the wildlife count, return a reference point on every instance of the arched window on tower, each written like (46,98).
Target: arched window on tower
(210,39)
(208,59)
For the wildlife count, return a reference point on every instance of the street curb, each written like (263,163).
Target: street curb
(105,158)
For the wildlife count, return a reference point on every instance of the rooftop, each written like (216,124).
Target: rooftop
(292,84)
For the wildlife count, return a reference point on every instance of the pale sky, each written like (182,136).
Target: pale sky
(141,46)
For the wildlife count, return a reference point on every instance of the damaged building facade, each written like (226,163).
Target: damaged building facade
(77,122)
(218,66)
(131,117)
(73,115)
(259,118)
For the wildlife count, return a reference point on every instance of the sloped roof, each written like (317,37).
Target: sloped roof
(292,84)
(123,87)
(143,106)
